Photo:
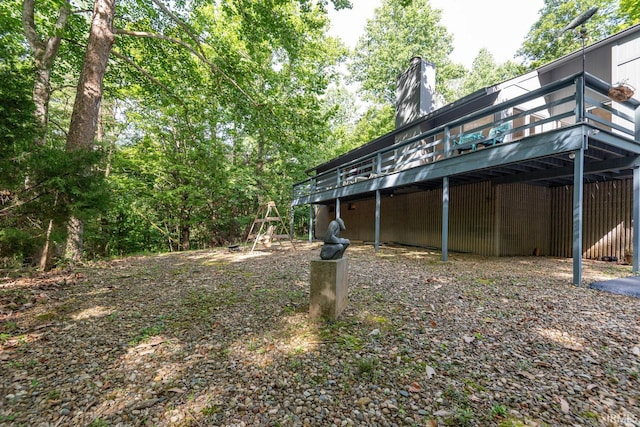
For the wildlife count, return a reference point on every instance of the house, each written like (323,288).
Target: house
(545,163)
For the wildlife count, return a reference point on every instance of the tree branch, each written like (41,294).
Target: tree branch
(180,22)
(29,28)
(155,81)
(6,211)
(44,52)
(214,68)
(148,75)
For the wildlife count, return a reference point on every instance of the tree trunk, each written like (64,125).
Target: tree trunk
(185,234)
(44,53)
(185,228)
(84,118)
(75,245)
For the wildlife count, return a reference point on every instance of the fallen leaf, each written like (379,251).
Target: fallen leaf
(442,413)
(564,406)
(468,339)
(176,390)
(414,387)
(363,401)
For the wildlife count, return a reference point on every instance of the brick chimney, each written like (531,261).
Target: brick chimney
(415,91)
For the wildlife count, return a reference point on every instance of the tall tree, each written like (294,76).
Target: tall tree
(400,30)
(485,72)
(630,9)
(546,41)
(84,118)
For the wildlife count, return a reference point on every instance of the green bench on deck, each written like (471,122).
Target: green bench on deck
(470,141)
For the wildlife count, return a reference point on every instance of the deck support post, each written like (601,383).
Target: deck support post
(376,244)
(291,221)
(338,208)
(636,220)
(445,218)
(578,171)
(310,222)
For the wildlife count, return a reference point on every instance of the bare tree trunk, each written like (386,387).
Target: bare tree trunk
(44,257)
(75,245)
(46,250)
(84,118)
(44,53)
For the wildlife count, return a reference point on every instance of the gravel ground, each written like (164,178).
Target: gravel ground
(217,338)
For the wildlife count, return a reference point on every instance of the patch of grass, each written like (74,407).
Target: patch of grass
(378,297)
(590,415)
(53,395)
(146,333)
(4,338)
(368,366)
(472,385)
(378,320)
(349,342)
(461,417)
(46,317)
(210,410)
(454,396)
(295,295)
(253,345)
(9,326)
(294,364)
(98,422)
(498,411)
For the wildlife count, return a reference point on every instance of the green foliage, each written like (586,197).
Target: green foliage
(399,31)
(630,9)
(546,42)
(485,72)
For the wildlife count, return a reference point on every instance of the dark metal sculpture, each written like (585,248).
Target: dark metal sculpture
(334,246)
(580,19)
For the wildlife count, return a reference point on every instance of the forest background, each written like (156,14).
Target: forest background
(136,126)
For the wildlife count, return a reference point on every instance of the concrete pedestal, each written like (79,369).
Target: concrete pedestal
(328,288)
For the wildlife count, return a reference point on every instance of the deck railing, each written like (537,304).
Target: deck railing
(553,106)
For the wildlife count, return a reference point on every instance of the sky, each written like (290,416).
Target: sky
(500,26)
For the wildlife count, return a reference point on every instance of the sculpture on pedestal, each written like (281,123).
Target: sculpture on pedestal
(334,246)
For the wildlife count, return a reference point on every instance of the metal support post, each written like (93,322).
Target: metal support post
(377,222)
(445,218)
(578,172)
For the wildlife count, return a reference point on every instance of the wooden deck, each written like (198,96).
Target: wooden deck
(541,132)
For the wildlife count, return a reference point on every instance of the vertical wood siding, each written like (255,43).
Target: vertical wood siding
(525,219)
(504,220)
(606,215)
